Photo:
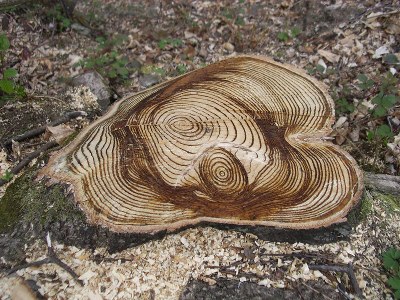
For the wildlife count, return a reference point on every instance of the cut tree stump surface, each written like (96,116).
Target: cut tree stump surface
(237,142)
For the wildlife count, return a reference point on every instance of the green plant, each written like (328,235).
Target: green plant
(7,175)
(343,106)
(386,98)
(174,43)
(235,14)
(292,33)
(4,46)
(9,89)
(383,104)
(382,132)
(56,14)
(390,59)
(181,68)
(391,262)
(320,70)
(365,82)
(107,60)
(149,69)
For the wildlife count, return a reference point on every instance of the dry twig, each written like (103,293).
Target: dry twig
(38,131)
(23,163)
(51,258)
(348,269)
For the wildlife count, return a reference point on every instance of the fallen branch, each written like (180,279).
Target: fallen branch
(23,163)
(38,131)
(299,255)
(382,182)
(348,269)
(51,258)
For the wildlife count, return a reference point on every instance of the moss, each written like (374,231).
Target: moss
(28,201)
(70,138)
(390,202)
(366,207)
(360,212)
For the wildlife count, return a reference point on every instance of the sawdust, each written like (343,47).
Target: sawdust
(163,267)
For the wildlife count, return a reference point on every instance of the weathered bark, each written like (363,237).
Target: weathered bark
(382,182)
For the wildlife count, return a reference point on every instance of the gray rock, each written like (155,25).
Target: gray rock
(80,29)
(97,85)
(147,80)
(134,64)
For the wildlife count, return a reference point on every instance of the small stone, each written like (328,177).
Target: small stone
(80,29)
(135,64)
(229,47)
(97,85)
(290,52)
(147,80)
(203,52)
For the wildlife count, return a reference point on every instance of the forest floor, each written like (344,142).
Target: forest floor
(352,46)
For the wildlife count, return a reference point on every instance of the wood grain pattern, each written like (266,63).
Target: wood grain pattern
(236,142)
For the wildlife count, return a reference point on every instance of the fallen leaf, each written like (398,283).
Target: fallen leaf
(380,52)
(58,133)
(329,56)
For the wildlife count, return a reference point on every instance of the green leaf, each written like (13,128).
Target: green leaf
(181,69)
(384,131)
(123,71)
(389,263)
(295,31)
(394,282)
(112,74)
(344,106)
(379,111)
(397,295)
(7,86)
(19,91)
(370,135)
(283,36)
(362,78)
(388,101)
(66,23)
(162,44)
(4,42)
(390,59)
(378,98)
(240,21)
(89,64)
(7,175)
(10,73)
(365,82)
(320,68)
(100,39)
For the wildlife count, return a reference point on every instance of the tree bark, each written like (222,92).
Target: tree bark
(382,182)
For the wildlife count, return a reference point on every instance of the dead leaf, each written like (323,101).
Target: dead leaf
(354,135)
(190,51)
(25,53)
(380,52)
(16,149)
(329,56)
(394,25)
(58,133)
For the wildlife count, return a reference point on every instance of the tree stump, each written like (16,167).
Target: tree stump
(237,142)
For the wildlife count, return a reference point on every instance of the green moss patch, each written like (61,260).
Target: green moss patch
(28,202)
